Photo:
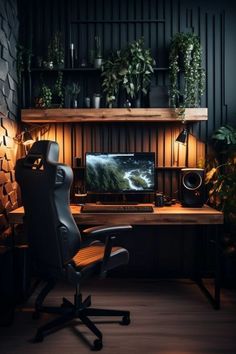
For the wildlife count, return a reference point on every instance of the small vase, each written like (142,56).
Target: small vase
(87,102)
(75,103)
(97,63)
(137,102)
(96,101)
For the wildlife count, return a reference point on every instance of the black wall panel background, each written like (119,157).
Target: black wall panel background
(119,22)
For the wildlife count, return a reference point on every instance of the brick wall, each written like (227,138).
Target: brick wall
(8,110)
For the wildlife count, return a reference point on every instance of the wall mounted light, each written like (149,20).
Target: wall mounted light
(26,138)
(182,137)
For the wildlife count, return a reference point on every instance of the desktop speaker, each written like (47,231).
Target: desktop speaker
(192,187)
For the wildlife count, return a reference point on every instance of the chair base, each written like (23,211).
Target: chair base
(79,310)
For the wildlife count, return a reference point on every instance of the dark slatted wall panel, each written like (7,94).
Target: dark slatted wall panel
(119,22)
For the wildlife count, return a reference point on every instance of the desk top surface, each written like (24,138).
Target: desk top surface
(175,215)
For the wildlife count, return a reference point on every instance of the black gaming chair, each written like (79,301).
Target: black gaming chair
(54,239)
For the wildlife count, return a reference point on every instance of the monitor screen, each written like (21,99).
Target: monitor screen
(114,173)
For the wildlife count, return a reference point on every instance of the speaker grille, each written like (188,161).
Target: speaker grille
(192,187)
(192,180)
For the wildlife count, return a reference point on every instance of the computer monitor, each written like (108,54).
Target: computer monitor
(120,173)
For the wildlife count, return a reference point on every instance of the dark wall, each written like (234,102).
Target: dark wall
(119,22)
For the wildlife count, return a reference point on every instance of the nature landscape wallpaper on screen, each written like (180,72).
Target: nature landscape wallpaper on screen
(119,172)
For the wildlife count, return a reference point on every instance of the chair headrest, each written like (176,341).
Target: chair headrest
(47,149)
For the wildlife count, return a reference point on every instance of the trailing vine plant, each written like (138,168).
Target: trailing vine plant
(58,89)
(186,46)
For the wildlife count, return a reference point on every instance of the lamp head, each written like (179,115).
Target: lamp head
(182,137)
(27,138)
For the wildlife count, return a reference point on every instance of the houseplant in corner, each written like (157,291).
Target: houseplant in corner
(221,179)
(185,57)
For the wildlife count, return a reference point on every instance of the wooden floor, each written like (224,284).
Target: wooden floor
(168,317)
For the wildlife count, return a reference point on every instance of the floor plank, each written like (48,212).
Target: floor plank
(168,317)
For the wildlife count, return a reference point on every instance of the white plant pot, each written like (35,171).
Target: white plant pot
(96,101)
(97,63)
(75,103)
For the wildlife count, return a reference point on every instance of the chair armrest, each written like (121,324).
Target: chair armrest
(110,231)
(106,230)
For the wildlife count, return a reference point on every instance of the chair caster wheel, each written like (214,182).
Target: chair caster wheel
(38,338)
(97,344)
(36,315)
(125,321)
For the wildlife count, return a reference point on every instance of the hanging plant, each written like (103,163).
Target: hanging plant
(58,94)
(186,46)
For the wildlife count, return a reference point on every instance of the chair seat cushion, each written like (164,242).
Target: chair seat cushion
(93,254)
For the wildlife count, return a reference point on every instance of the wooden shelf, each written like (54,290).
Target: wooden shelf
(83,115)
(81,69)
(141,20)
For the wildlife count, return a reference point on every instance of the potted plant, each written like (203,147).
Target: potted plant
(136,70)
(23,60)
(96,100)
(45,97)
(112,77)
(185,55)
(221,179)
(72,91)
(55,52)
(130,69)
(98,53)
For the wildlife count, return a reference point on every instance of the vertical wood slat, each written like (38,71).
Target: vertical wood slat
(75,140)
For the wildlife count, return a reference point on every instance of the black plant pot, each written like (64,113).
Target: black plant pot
(136,102)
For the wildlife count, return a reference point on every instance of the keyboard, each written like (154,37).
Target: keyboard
(89,208)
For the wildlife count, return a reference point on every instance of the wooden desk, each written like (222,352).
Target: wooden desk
(173,215)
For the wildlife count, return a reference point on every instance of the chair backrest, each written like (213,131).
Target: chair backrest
(45,189)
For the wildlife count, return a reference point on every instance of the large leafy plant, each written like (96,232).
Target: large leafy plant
(130,69)
(138,70)
(221,175)
(185,55)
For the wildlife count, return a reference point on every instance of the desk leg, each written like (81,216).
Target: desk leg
(217,268)
(215,298)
